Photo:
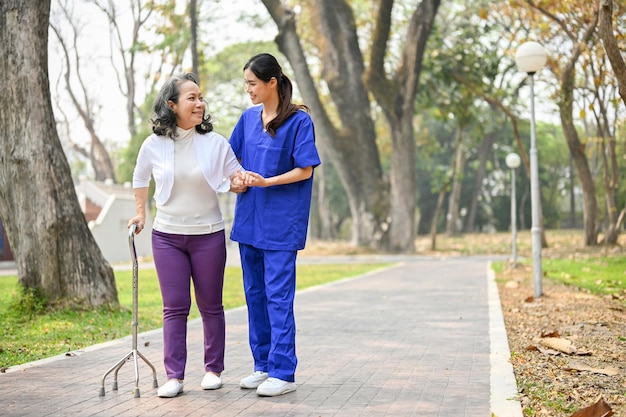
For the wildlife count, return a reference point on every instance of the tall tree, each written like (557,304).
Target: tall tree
(468,43)
(126,50)
(80,98)
(383,213)
(572,23)
(54,250)
(395,91)
(614,55)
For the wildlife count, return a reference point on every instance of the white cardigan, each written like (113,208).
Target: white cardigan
(156,158)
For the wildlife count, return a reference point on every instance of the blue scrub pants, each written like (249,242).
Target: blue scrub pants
(269,280)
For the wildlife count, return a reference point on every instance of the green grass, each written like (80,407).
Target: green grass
(550,398)
(601,275)
(29,333)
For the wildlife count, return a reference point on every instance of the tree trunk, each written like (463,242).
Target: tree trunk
(577,149)
(484,152)
(572,195)
(193,16)
(426,216)
(610,179)
(403,186)
(351,147)
(396,96)
(435,222)
(326,230)
(611,46)
(455,195)
(521,218)
(381,219)
(54,250)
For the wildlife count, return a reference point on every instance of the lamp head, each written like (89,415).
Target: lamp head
(513,160)
(530,57)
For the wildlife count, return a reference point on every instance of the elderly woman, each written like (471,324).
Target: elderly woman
(190,164)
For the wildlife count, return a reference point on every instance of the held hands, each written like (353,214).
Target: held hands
(236,183)
(250,179)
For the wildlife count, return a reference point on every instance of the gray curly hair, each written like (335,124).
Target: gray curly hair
(164,118)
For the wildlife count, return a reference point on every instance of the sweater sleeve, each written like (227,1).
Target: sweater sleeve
(219,161)
(143,167)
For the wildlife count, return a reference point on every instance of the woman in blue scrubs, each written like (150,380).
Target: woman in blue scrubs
(275,143)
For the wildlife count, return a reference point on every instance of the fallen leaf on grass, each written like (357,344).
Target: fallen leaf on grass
(549,351)
(599,409)
(579,366)
(511,284)
(562,345)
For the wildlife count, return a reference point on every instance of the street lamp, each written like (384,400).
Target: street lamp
(530,58)
(512,161)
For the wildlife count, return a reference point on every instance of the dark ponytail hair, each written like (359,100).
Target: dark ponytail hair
(265,67)
(164,118)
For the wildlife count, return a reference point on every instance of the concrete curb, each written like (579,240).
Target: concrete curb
(504,392)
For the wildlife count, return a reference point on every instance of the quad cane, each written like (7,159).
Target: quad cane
(134,353)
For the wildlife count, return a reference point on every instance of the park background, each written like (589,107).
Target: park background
(416,106)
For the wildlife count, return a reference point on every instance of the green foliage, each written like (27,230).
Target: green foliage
(548,395)
(41,333)
(604,275)
(127,156)
(463,65)
(172,36)
(222,82)
(28,303)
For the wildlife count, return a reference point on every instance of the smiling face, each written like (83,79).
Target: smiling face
(259,91)
(190,107)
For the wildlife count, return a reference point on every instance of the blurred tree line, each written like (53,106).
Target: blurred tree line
(416,104)
(471,110)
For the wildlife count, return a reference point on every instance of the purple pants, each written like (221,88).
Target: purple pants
(202,258)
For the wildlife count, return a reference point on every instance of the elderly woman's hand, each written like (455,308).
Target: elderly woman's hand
(236,183)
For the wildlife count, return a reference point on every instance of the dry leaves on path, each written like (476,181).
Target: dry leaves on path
(567,348)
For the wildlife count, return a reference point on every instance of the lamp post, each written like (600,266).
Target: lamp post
(530,58)
(512,161)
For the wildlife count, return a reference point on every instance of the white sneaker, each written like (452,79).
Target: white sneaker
(254,380)
(211,381)
(170,389)
(272,387)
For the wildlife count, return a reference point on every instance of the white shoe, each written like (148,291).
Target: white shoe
(254,380)
(211,381)
(170,389)
(274,386)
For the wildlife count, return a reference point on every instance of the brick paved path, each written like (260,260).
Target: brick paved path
(410,340)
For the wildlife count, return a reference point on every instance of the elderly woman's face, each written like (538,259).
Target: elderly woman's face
(190,106)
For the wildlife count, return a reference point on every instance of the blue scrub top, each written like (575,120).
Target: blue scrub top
(277,217)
